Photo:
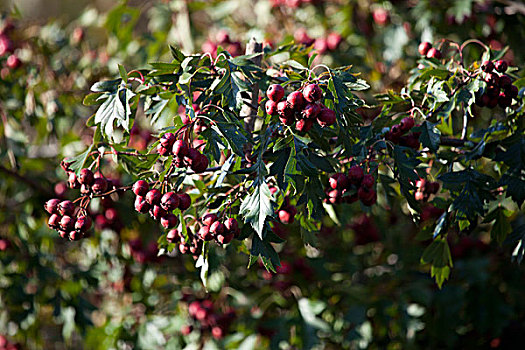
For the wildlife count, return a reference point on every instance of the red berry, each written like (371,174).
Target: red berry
(511,91)
(287,120)
(140,188)
(51,206)
(295,101)
(419,196)
(285,217)
(184,248)
(275,92)
(367,196)
(311,111)
(173,236)
(67,223)
(338,181)
(217,332)
(157,212)
(492,79)
(368,181)
(169,221)
(270,107)
(184,201)
(83,223)
(504,101)
(180,148)
(407,124)
(217,228)
(434,53)
(86,177)
(225,238)
(153,196)
(326,117)
(204,233)
(487,66)
(232,226)
(163,151)
(304,125)
(141,205)
(333,40)
(501,66)
(73,180)
(312,93)
(209,219)
(169,201)
(100,185)
(504,81)
(13,62)
(66,208)
(186,329)
(396,129)
(200,164)
(192,155)
(424,47)
(167,140)
(284,110)
(355,174)
(75,235)
(54,221)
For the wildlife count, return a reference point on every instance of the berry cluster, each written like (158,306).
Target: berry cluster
(223,40)
(397,131)
(193,245)
(221,232)
(426,49)
(500,90)
(66,219)
(349,188)
(321,45)
(88,182)
(184,155)
(209,319)
(287,212)
(7,48)
(425,189)
(160,206)
(300,107)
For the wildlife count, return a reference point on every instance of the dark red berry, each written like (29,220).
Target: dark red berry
(75,235)
(217,228)
(296,101)
(54,221)
(355,174)
(173,236)
(225,238)
(157,212)
(163,151)
(180,148)
(271,107)
(312,93)
(492,79)
(284,110)
(169,201)
(140,188)
(205,234)
(67,223)
(167,140)
(304,125)
(368,181)
(100,185)
(232,226)
(501,66)
(407,124)
(141,205)
(66,208)
(153,196)
(511,91)
(192,155)
(504,81)
(275,92)
(504,101)
(200,164)
(184,201)
(86,177)
(396,129)
(73,180)
(13,62)
(424,47)
(492,91)
(83,223)
(285,217)
(209,219)
(287,120)
(487,66)
(338,181)
(434,53)
(367,196)
(326,117)
(311,111)
(51,206)
(169,221)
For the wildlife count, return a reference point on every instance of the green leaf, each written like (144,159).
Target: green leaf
(501,227)
(257,207)
(123,73)
(115,110)
(106,86)
(440,274)
(266,252)
(430,136)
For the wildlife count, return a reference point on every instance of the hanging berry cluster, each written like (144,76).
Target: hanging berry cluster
(299,108)
(499,90)
(222,232)
(192,245)
(184,155)
(426,49)
(352,187)
(208,319)
(69,220)
(398,134)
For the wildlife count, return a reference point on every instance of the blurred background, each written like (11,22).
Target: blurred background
(362,287)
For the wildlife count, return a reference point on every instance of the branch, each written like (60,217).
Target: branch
(449,141)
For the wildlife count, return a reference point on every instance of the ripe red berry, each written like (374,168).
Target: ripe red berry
(407,124)
(173,236)
(184,201)
(396,129)
(217,228)
(141,205)
(232,226)
(424,47)
(100,185)
(225,238)
(186,329)
(338,181)
(326,117)
(217,332)
(169,221)
(296,101)
(285,217)
(140,188)
(504,81)
(312,93)
(167,140)
(204,233)
(368,181)
(287,120)
(184,248)
(209,219)
(85,177)
(419,195)
(311,111)
(73,180)
(501,66)
(54,221)
(51,206)
(180,148)
(284,110)
(67,223)
(367,196)
(157,212)
(304,125)
(270,107)
(13,62)
(511,91)
(355,174)
(200,164)
(83,223)
(169,201)
(504,101)
(275,92)
(75,235)
(434,53)
(192,155)
(66,208)
(163,151)
(492,79)
(153,196)
(333,40)
(487,66)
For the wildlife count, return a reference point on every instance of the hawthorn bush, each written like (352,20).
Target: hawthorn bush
(257,195)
